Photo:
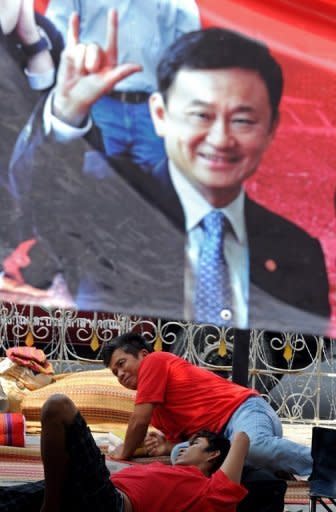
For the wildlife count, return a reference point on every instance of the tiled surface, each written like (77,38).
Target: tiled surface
(298,433)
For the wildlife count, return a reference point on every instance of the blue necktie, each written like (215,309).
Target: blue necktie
(213,297)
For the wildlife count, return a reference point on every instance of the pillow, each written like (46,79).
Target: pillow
(16,382)
(97,394)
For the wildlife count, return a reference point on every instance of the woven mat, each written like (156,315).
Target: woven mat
(19,465)
(297,493)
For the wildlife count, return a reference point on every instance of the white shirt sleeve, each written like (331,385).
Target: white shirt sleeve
(40,81)
(61,131)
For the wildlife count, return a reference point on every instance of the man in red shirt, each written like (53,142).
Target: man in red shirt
(205,478)
(179,399)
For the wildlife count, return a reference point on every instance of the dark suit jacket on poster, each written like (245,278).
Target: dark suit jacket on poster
(121,231)
(17,101)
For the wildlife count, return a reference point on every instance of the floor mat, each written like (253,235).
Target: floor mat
(297,493)
(18,465)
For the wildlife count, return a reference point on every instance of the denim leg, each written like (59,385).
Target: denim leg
(112,118)
(127,129)
(147,147)
(268,449)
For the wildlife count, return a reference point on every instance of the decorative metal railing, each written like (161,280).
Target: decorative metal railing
(296,373)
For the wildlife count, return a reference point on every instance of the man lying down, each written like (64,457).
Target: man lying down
(206,475)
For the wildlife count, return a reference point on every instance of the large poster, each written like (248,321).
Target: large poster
(178,161)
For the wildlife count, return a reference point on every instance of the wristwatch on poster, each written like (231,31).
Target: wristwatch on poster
(42,44)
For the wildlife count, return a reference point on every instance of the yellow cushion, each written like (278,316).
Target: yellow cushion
(97,394)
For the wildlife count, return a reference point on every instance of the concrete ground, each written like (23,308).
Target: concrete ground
(300,433)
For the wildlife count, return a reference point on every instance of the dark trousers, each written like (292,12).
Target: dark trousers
(87,488)
(266,492)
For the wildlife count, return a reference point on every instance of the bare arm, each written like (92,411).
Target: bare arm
(136,431)
(235,459)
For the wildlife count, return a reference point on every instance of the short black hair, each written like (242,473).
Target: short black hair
(218,48)
(130,342)
(215,442)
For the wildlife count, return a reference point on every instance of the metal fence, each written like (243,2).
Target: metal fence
(295,372)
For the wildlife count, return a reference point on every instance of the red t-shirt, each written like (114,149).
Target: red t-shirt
(186,398)
(157,487)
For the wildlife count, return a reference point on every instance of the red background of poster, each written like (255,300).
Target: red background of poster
(298,175)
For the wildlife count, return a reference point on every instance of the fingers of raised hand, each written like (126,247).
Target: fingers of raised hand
(72,31)
(87,58)
(94,58)
(78,54)
(111,45)
(83,58)
(113,76)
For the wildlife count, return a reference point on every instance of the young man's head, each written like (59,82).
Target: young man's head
(206,451)
(217,108)
(123,356)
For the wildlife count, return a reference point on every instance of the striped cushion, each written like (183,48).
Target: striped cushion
(97,394)
(12,429)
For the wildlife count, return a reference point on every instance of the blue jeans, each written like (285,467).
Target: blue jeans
(268,449)
(127,130)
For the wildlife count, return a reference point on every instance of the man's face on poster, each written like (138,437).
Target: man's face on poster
(216,124)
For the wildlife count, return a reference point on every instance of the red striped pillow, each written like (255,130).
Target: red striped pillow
(12,429)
